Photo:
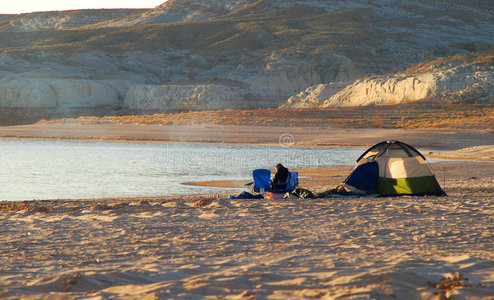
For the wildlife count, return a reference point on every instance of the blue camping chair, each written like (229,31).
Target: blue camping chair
(262,182)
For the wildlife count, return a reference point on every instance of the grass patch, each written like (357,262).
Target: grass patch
(411,115)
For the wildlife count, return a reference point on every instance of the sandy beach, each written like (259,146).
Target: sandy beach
(210,247)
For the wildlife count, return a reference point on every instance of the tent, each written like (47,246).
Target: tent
(392,168)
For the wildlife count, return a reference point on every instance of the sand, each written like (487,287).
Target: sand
(207,246)
(210,247)
(267,135)
(485,152)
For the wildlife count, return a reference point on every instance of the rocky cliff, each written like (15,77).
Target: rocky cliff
(453,79)
(236,53)
(184,97)
(51,93)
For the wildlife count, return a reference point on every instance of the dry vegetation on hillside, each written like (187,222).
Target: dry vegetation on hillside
(483,60)
(416,115)
(289,31)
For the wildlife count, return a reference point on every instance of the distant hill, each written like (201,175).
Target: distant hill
(197,55)
(61,20)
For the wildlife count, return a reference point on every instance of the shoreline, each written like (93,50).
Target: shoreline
(317,180)
(462,144)
(311,178)
(453,142)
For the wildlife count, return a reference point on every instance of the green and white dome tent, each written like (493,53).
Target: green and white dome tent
(392,168)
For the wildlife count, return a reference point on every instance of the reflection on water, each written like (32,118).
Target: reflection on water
(33,169)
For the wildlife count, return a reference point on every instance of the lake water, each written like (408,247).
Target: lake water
(39,169)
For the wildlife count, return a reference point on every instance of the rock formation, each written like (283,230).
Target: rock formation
(192,54)
(63,93)
(456,79)
(315,95)
(184,97)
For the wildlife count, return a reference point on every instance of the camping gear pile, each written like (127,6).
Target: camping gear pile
(263,184)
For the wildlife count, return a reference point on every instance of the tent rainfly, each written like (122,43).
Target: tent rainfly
(392,168)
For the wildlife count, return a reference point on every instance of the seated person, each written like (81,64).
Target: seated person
(280,178)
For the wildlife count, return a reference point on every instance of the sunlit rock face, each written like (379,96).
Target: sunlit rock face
(314,96)
(459,80)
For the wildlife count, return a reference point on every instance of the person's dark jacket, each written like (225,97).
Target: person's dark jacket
(281,175)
